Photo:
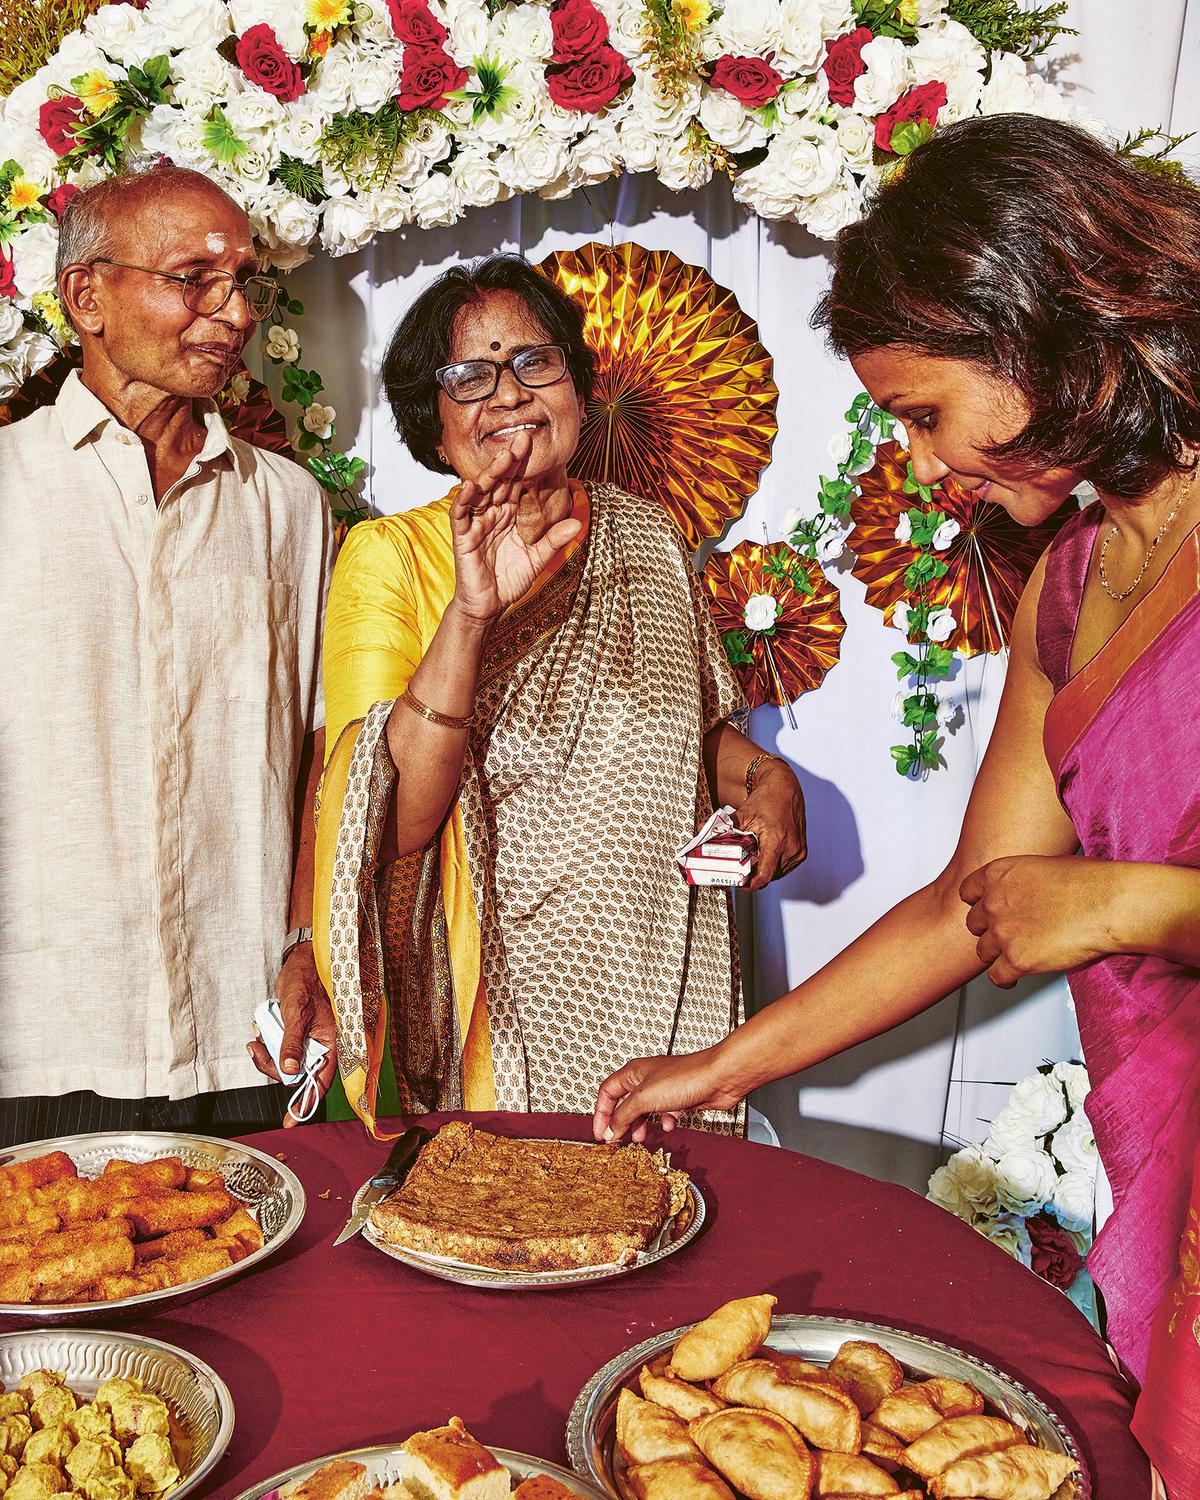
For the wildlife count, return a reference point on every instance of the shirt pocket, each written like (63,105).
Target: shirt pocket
(254,653)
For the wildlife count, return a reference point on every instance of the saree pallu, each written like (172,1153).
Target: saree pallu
(583,775)
(1122,737)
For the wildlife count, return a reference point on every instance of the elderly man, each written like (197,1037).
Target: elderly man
(164,585)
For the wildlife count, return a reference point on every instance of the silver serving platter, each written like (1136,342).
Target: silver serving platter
(271,1191)
(383,1467)
(678,1232)
(591,1424)
(198,1397)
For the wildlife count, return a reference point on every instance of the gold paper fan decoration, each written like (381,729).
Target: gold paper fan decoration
(683,409)
(990,560)
(793,658)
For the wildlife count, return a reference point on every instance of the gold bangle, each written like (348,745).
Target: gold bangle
(448,720)
(752,768)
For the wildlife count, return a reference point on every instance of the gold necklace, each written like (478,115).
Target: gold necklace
(1162,531)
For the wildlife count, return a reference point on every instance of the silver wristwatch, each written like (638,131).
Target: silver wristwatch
(294,938)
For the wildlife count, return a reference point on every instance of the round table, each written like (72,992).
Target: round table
(326,1349)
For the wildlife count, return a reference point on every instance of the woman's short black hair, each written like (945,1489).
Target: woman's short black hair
(421,342)
(1029,248)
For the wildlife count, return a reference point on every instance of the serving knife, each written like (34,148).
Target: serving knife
(397,1167)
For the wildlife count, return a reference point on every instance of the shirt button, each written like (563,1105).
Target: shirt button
(142,499)
(126,437)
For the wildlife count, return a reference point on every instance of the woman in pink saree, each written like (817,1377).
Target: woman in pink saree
(1027,302)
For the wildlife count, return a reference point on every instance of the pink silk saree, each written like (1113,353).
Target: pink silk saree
(1122,737)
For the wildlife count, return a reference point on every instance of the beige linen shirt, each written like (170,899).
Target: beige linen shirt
(159,671)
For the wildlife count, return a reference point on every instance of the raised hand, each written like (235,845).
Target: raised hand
(494,563)
(664,1086)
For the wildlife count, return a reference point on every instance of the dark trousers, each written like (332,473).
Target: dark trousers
(227,1112)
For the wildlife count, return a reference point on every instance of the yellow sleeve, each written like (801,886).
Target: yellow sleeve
(372,627)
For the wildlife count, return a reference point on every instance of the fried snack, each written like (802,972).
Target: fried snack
(726,1336)
(686,1401)
(867,1372)
(50,1445)
(953,1398)
(137,1414)
(141,1176)
(793,1367)
(1017,1473)
(191,1265)
(240,1234)
(199,1178)
(758,1452)
(908,1412)
(165,1209)
(849,1474)
(881,1445)
(447,1463)
(109,1484)
(958,1438)
(117,1388)
(63,1277)
(169,1244)
(677,1479)
(23,1214)
(89,1421)
(341,1479)
(8,1466)
(54,1405)
(826,1416)
(24,1176)
(543,1487)
(15,1432)
(13,1404)
(35,1481)
(38,1382)
(646,1432)
(150,1463)
(91,1457)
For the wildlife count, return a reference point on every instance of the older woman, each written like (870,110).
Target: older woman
(525,690)
(1028,303)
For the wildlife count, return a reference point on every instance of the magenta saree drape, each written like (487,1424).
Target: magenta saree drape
(1123,740)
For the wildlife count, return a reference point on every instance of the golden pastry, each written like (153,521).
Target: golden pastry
(646,1432)
(724,1337)
(686,1401)
(677,1479)
(827,1417)
(839,1474)
(1018,1473)
(869,1373)
(757,1452)
(957,1438)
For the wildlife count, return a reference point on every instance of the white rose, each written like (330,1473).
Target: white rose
(202,78)
(345,226)
(812,160)
(25,145)
(391,206)
(896,707)
(841,445)
(187,142)
(680,166)
(830,212)
(856,137)
(887,75)
(191,23)
(373,83)
(1040,1096)
(748,28)
(532,164)
(11,321)
(949,54)
(638,146)
(253,166)
(253,110)
(155,134)
(831,545)
(1074,1078)
(284,257)
(239,387)
(437,200)
(420,152)
(791,520)
(1014,88)
(941,626)
(664,111)
(114,29)
(760,611)
(319,420)
(597,156)
(729,123)
(1011,1130)
(900,614)
(1009,1234)
(946,1191)
(835,16)
(469,33)
(765,189)
(282,344)
(27,354)
(945,534)
(1025,1179)
(801,47)
(975,1174)
(947,713)
(804,97)
(284,17)
(478,181)
(33,252)
(1074,1201)
(303,125)
(333,78)
(903,531)
(521,115)
(1074,1145)
(524,31)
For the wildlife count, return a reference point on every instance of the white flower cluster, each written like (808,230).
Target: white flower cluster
(812,160)
(1039,1158)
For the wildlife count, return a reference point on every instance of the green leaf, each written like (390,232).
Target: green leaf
(910,134)
(920,709)
(219,138)
(295,308)
(1008,26)
(858,406)
(735,642)
(906,758)
(8,171)
(938,661)
(907,664)
(303,178)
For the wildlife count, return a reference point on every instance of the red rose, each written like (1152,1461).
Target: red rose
(591,83)
(57,201)
(578,28)
(751,80)
(265,63)
(843,64)
(416,25)
(1054,1257)
(58,120)
(8,282)
(426,77)
(918,106)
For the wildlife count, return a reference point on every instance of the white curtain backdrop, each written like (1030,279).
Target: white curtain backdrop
(886,1107)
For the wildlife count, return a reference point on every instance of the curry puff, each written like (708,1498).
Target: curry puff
(1017,1473)
(646,1432)
(686,1401)
(677,1479)
(867,1373)
(826,1416)
(838,1474)
(958,1438)
(757,1452)
(724,1337)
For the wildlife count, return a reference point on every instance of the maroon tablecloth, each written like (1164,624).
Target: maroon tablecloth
(326,1349)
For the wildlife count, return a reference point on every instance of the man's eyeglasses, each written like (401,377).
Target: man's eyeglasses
(477,379)
(207,292)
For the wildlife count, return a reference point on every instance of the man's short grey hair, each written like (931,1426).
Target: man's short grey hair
(85,232)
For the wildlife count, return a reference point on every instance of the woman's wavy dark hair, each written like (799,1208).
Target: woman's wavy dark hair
(421,342)
(1032,250)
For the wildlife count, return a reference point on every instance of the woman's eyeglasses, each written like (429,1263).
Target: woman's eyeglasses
(207,292)
(477,379)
